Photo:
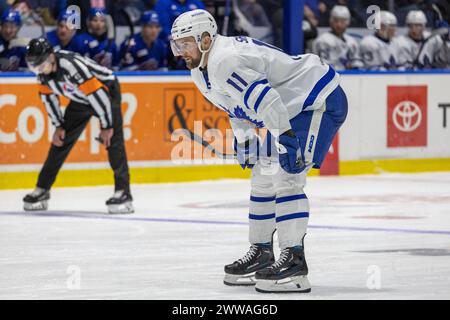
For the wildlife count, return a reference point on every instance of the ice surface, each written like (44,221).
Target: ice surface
(370,237)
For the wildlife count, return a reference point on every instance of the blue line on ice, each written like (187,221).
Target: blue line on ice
(101,215)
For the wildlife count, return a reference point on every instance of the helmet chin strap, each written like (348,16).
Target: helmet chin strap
(203,52)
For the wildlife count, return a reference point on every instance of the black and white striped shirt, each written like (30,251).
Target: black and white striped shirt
(80,79)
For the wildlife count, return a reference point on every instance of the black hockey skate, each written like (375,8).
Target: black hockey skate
(36,200)
(120,202)
(287,274)
(242,271)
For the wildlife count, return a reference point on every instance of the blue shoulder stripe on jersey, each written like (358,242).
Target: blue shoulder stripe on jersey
(251,88)
(319,87)
(291,198)
(237,77)
(261,216)
(231,82)
(292,216)
(261,96)
(262,199)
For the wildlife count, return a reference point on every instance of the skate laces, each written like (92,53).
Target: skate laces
(249,255)
(285,254)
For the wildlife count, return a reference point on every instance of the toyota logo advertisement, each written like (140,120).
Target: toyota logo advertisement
(407,116)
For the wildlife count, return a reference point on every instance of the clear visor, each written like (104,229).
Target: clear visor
(41,67)
(179,47)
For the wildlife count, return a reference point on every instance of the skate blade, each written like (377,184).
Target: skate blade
(299,284)
(123,208)
(37,206)
(239,280)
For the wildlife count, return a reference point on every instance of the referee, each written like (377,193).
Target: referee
(93,90)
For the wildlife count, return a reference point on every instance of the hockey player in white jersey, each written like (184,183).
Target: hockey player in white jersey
(299,100)
(408,45)
(435,51)
(376,50)
(336,47)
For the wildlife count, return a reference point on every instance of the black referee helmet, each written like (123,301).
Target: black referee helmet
(38,50)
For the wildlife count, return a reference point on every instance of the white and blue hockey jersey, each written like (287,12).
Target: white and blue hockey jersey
(341,52)
(259,85)
(407,50)
(435,52)
(377,53)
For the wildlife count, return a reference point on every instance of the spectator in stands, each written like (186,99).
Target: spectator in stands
(408,45)
(86,6)
(28,16)
(64,37)
(274,9)
(377,50)
(145,51)
(313,5)
(150,4)
(254,13)
(48,10)
(251,20)
(309,27)
(169,10)
(324,8)
(336,47)
(99,47)
(12,49)
(4,6)
(25,9)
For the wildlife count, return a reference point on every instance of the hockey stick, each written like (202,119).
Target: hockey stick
(23,41)
(37,18)
(195,137)
(200,140)
(226,18)
(111,31)
(128,17)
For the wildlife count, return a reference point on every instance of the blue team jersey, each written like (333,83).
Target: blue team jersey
(75,44)
(169,10)
(97,46)
(12,59)
(138,56)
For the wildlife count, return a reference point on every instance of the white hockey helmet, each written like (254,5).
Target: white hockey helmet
(193,24)
(388,18)
(340,12)
(416,17)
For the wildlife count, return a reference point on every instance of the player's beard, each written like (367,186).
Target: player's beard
(192,63)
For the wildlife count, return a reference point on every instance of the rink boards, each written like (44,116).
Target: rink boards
(397,122)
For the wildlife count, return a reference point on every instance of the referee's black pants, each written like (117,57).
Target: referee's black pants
(76,118)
